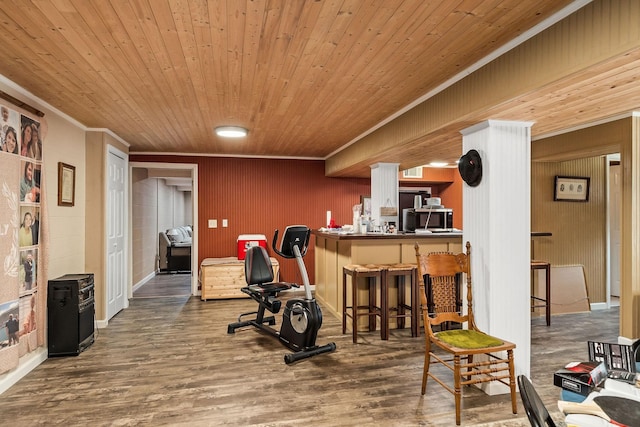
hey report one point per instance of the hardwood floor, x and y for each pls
(165, 285)
(170, 361)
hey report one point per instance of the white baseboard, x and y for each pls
(143, 281)
(27, 364)
(599, 306)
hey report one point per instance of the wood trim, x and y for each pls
(20, 104)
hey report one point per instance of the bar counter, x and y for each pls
(334, 250)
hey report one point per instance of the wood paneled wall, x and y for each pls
(257, 196)
(579, 229)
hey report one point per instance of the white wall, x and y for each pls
(144, 225)
(181, 208)
(174, 208)
(65, 142)
(188, 210)
(165, 206)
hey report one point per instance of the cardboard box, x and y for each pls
(581, 377)
(245, 241)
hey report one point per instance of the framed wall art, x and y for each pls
(571, 189)
(365, 201)
(66, 184)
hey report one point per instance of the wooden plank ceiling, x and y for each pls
(305, 77)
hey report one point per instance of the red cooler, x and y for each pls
(245, 241)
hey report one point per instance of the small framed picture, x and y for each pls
(571, 189)
(66, 184)
(365, 201)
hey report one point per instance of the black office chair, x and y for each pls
(533, 406)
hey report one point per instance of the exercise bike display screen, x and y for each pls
(296, 235)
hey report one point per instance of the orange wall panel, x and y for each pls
(451, 196)
(439, 174)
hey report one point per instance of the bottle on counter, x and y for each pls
(364, 225)
(356, 224)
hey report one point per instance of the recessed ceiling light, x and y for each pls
(438, 164)
(231, 131)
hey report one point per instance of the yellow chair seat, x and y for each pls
(466, 338)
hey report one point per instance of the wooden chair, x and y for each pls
(462, 345)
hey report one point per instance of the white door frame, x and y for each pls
(610, 260)
(125, 229)
(193, 167)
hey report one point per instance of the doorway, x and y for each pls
(146, 261)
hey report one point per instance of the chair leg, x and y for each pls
(372, 303)
(427, 363)
(456, 385)
(384, 307)
(512, 382)
(344, 302)
(548, 294)
(401, 301)
(354, 303)
(415, 304)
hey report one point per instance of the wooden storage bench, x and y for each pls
(223, 277)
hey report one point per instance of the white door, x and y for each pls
(615, 205)
(116, 214)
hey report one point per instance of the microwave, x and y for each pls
(438, 219)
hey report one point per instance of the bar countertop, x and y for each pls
(343, 235)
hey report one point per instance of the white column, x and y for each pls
(384, 190)
(497, 223)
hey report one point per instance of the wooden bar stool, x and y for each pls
(543, 265)
(373, 273)
(401, 272)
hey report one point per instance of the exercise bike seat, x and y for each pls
(258, 272)
(272, 288)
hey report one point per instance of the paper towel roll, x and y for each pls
(417, 202)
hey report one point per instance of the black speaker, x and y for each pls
(71, 312)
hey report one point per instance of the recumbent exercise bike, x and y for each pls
(301, 318)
